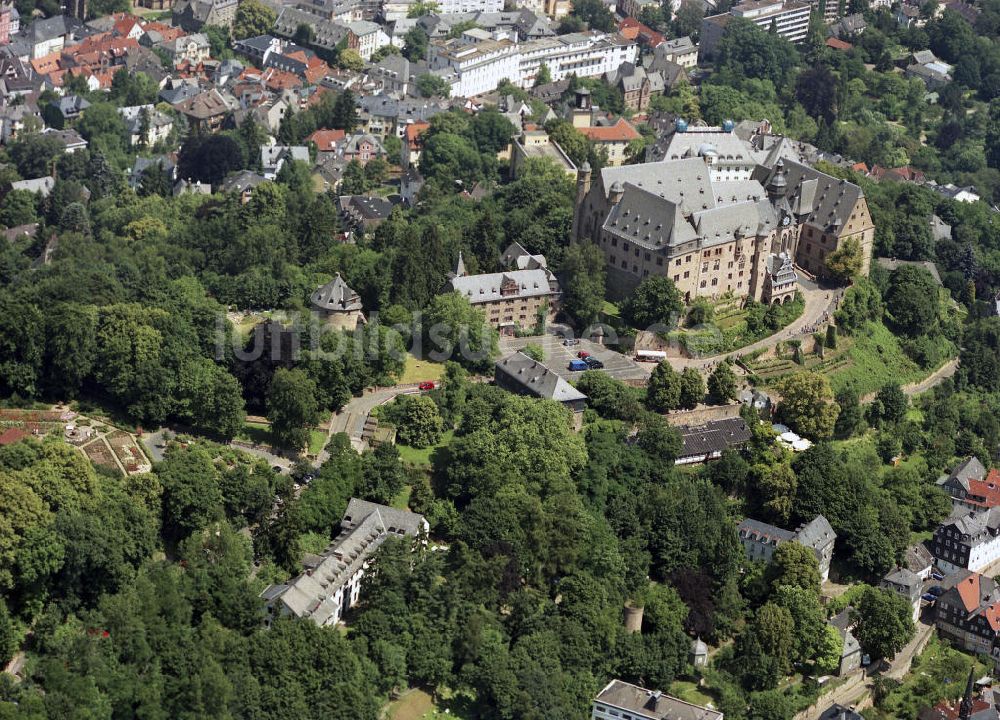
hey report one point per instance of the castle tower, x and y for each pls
(583, 176)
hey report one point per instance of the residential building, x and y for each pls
(918, 560)
(6, 13)
(968, 540)
(273, 157)
(411, 182)
(512, 299)
(50, 35)
(632, 29)
(71, 140)
(363, 148)
(391, 75)
(850, 653)
(242, 182)
(968, 487)
(614, 139)
(934, 75)
(338, 305)
(327, 141)
(638, 85)
(760, 540)
(790, 20)
(40, 186)
(620, 700)
(849, 26)
(327, 34)
(700, 221)
(679, 50)
(193, 48)
(523, 375)
(207, 110)
(141, 166)
(535, 143)
(474, 68)
(370, 37)
(146, 125)
(584, 54)
(907, 585)
(361, 214)
(71, 107)
(702, 443)
(413, 144)
(968, 612)
(331, 583)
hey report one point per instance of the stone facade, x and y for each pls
(710, 218)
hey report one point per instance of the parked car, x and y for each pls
(929, 598)
(583, 354)
(569, 342)
(426, 385)
(936, 591)
(577, 365)
(593, 363)
(936, 575)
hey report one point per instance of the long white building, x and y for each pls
(473, 67)
(585, 54)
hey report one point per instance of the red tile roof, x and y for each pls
(621, 131)
(838, 44)
(985, 493)
(968, 590)
(415, 130)
(326, 140)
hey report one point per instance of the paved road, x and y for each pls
(819, 306)
(558, 356)
(153, 440)
(859, 687)
(352, 417)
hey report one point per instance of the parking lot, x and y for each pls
(557, 356)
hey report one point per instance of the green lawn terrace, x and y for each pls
(863, 362)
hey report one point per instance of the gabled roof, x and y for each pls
(621, 131)
(535, 378)
(715, 436)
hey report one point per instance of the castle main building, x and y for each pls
(719, 215)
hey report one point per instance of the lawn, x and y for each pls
(402, 500)
(689, 692)
(421, 457)
(257, 433)
(419, 705)
(317, 439)
(417, 371)
(876, 358)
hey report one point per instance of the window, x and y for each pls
(677, 261)
(702, 284)
(646, 257)
(704, 267)
(687, 273)
(715, 281)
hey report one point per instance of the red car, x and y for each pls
(583, 354)
(427, 385)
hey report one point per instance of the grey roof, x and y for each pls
(713, 436)
(818, 199)
(906, 580)
(42, 185)
(969, 469)
(516, 257)
(698, 647)
(71, 105)
(696, 142)
(271, 155)
(891, 264)
(781, 269)
(918, 558)
(45, 29)
(652, 703)
(816, 534)
(242, 180)
(336, 296)
(940, 229)
(839, 712)
(486, 288)
(843, 623)
(395, 66)
(922, 57)
(534, 378)
(364, 528)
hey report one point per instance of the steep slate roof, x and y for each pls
(336, 296)
(486, 288)
(818, 199)
(713, 436)
(969, 469)
(816, 533)
(364, 528)
(534, 378)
